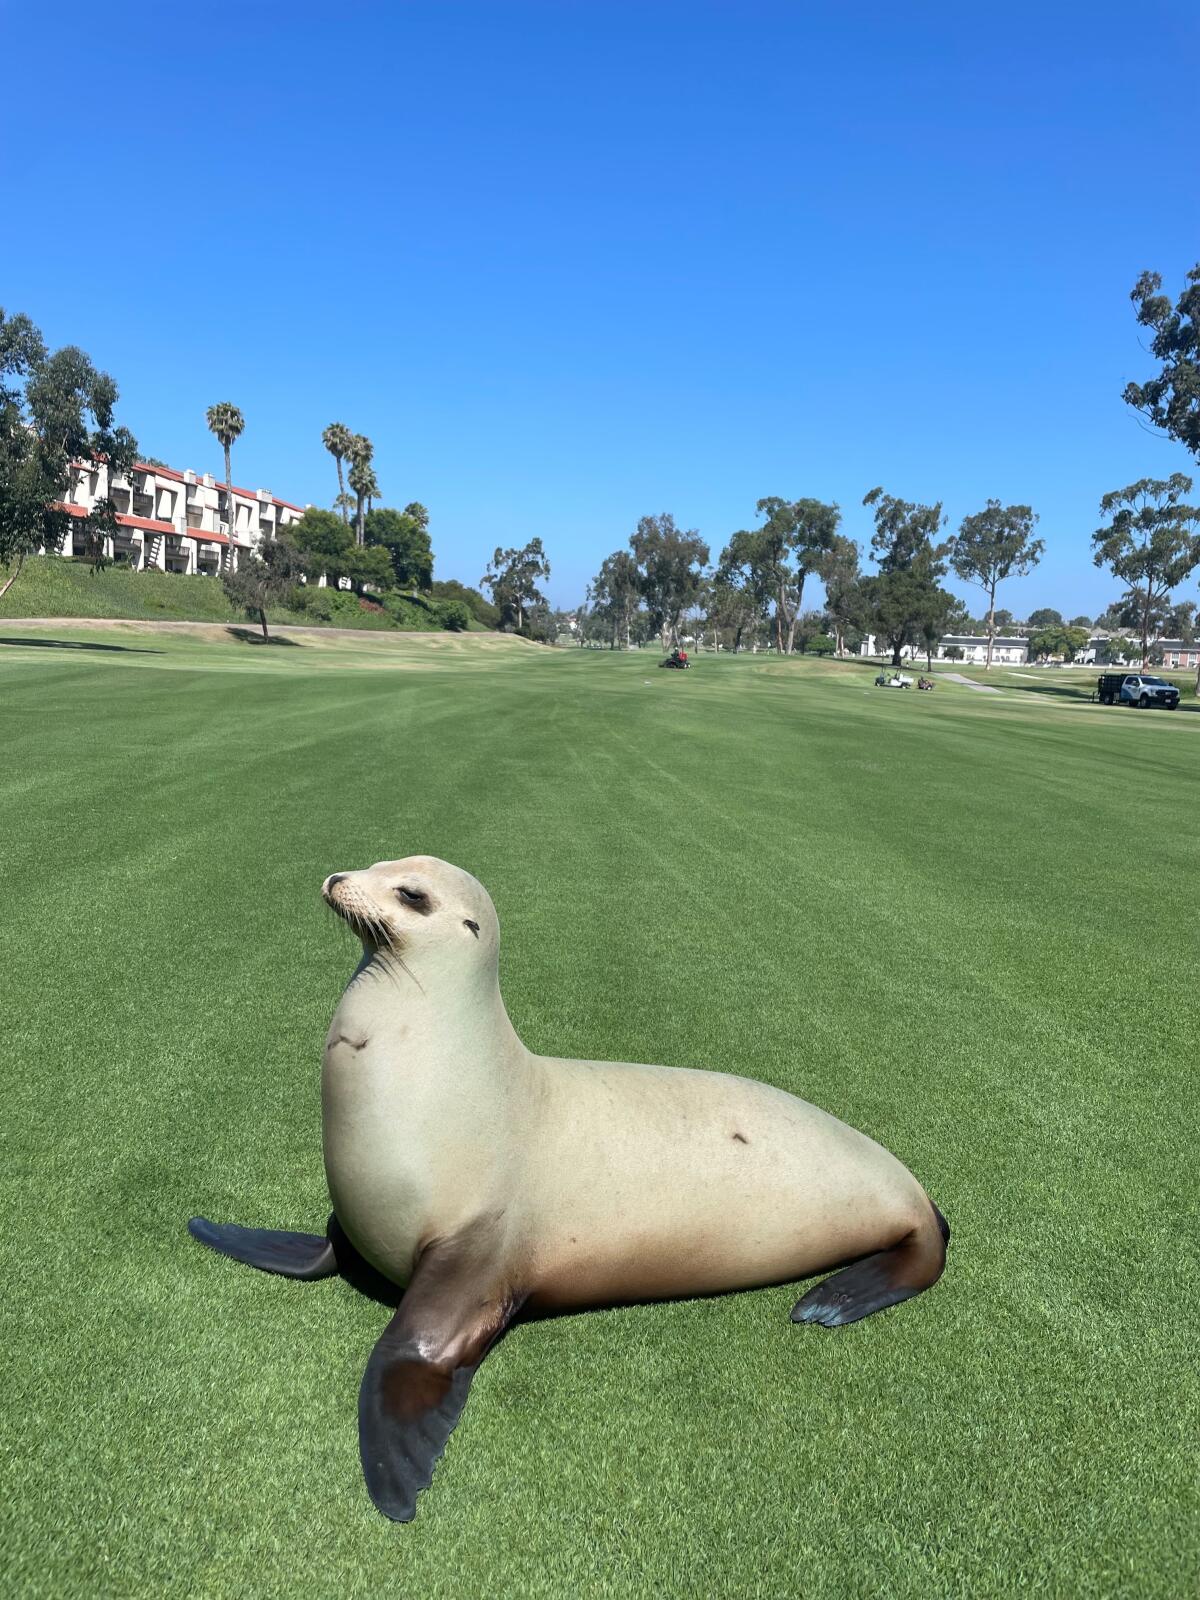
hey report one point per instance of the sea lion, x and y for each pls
(485, 1179)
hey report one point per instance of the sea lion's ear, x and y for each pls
(474, 926)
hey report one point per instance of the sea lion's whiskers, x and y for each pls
(401, 961)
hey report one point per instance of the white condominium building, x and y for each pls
(175, 521)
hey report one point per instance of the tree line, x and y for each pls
(1148, 542)
(756, 586)
(56, 407)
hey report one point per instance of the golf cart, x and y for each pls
(892, 680)
(677, 658)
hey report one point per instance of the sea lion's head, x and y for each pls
(422, 910)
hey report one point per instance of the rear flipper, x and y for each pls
(879, 1281)
(294, 1255)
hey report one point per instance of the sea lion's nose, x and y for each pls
(332, 881)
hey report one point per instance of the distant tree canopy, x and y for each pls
(1057, 639)
(482, 610)
(845, 602)
(1045, 617)
(734, 610)
(541, 623)
(1115, 649)
(55, 408)
(396, 554)
(405, 536)
(809, 627)
(370, 567)
(613, 597)
(324, 543)
(671, 562)
(904, 600)
(1171, 400)
(773, 562)
(994, 544)
(1180, 622)
(1149, 543)
(512, 577)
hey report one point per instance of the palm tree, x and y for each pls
(227, 423)
(362, 479)
(337, 439)
(366, 488)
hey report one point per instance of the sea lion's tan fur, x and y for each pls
(594, 1182)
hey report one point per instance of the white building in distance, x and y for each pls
(1007, 649)
(175, 521)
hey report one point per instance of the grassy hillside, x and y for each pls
(903, 907)
(52, 587)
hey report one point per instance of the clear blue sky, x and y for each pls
(569, 263)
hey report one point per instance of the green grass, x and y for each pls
(49, 586)
(962, 922)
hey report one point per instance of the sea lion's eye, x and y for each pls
(414, 897)
(474, 926)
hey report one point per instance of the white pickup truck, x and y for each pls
(1136, 689)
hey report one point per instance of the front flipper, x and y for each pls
(415, 1386)
(294, 1255)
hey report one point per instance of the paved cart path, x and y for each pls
(957, 677)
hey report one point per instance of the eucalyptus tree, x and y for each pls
(670, 561)
(1150, 544)
(227, 424)
(614, 593)
(796, 536)
(991, 545)
(337, 439)
(745, 566)
(732, 608)
(1171, 400)
(512, 576)
(55, 408)
(904, 596)
(844, 602)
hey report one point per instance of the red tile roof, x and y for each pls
(247, 494)
(150, 525)
(171, 472)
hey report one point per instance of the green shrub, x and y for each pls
(482, 610)
(456, 615)
(316, 604)
(340, 608)
(409, 612)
